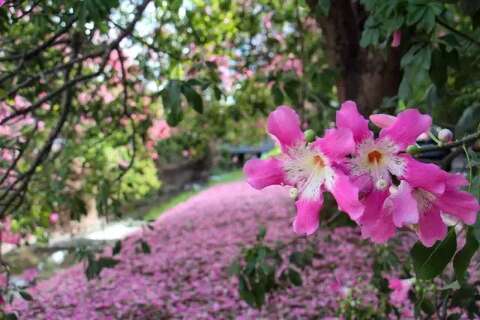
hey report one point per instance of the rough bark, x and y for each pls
(366, 75)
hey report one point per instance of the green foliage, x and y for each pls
(143, 247)
(94, 265)
(462, 259)
(430, 262)
(257, 267)
(156, 211)
(117, 248)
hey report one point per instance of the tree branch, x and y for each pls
(467, 140)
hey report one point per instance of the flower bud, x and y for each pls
(53, 218)
(293, 193)
(445, 135)
(413, 149)
(381, 184)
(423, 137)
(309, 135)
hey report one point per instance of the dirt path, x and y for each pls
(185, 275)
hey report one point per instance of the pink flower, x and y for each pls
(105, 94)
(397, 37)
(376, 160)
(6, 234)
(296, 65)
(429, 194)
(2, 2)
(312, 168)
(53, 218)
(424, 192)
(400, 288)
(382, 120)
(3, 281)
(30, 274)
(160, 130)
(84, 98)
(21, 102)
(337, 287)
(267, 20)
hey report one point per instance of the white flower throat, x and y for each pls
(378, 159)
(308, 170)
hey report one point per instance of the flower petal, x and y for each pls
(348, 117)
(459, 204)
(396, 39)
(382, 120)
(427, 176)
(456, 180)
(408, 125)
(284, 124)
(346, 195)
(431, 227)
(402, 206)
(308, 215)
(263, 173)
(336, 144)
(375, 223)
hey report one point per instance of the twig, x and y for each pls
(460, 33)
(469, 139)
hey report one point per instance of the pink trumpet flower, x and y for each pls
(397, 38)
(311, 168)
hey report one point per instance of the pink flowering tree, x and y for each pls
(96, 95)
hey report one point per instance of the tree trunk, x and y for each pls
(366, 75)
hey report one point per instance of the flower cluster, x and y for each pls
(373, 179)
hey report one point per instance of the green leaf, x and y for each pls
(25, 295)
(92, 270)
(470, 7)
(262, 232)
(245, 293)
(300, 259)
(427, 306)
(117, 247)
(10, 316)
(145, 247)
(95, 267)
(294, 277)
(277, 94)
(291, 89)
(430, 262)
(454, 316)
(463, 257)
(172, 102)
(452, 286)
(323, 7)
(468, 122)
(438, 68)
(106, 262)
(234, 268)
(193, 98)
(415, 14)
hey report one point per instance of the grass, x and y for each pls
(156, 211)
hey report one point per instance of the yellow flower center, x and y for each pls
(318, 161)
(374, 157)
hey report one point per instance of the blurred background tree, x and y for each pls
(98, 98)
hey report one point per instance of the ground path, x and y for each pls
(185, 277)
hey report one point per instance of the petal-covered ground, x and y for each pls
(185, 275)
